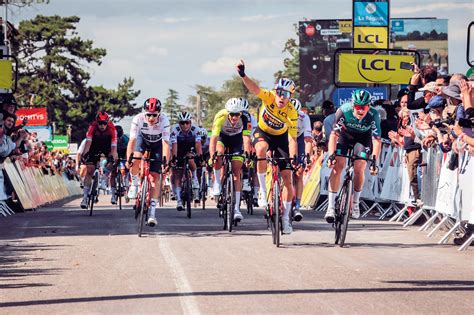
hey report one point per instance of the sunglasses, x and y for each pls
(102, 123)
(151, 115)
(283, 93)
(360, 107)
(184, 122)
(234, 114)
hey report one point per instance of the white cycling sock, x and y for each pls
(217, 175)
(178, 194)
(262, 180)
(286, 211)
(152, 207)
(237, 201)
(86, 191)
(135, 180)
(332, 200)
(195, 176)
(356, 199)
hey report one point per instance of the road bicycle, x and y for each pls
(274, 210)
(121, 181)
(344, 198)
(93, 196)
(142, 203)
(247, 196)
(226, 200)
(186, 182)
(203, 188)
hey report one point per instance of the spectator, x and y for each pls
(391, 121)
(452, 93)
(8, 103)
(329, 112)
(318, 132)
(429, 90)
(6, 143)
(441, 81)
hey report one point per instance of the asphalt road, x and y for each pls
(58, 260)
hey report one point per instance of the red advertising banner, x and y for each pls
(36, 116)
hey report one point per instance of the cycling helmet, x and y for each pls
(102, 116)
(361, 97)
(184, 116)
(152, 105)
(296, 103)
(203, 133)
(286, 85)
(245, 104)
(235, 105)
(119, 130)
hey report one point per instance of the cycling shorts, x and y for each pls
(347, 140)
(232, 144)
(278, 144)
(94, 156)
(156, 152)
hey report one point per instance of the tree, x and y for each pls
(53, 66)
(291, 63)
(170, 105)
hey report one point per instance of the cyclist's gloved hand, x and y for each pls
(295, 162)
(374, 170)
(331, 160)
(241, 68)
(210, 162)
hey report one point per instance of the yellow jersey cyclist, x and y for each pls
(356, 125)
(276, 131)
(231, 131)
(305, 147)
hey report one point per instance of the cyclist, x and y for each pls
(305, 146)
(355, 123)
(231, 131)
(205, 140)
(122, 143)
(276, 131)
(150, 131)
(101, 138)
(185, 141)
(245, 171)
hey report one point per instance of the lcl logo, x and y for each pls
(367, 69)
(369, 39)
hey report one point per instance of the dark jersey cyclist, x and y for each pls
(357, 126)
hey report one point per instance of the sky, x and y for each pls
(176, 44)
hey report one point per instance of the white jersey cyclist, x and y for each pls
(304, 124)
(150, 134)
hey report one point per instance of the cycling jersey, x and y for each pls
(222, 125)
(304, 124)
(150, 134)
(122, 144)
(102, 141)
(346, 122)
(185, 140)
(274, 120)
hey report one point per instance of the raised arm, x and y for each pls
(249, 83)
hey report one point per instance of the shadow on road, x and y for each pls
(431, 288)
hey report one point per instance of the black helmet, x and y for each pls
(119, 130)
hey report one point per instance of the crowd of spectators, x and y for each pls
(18, 144)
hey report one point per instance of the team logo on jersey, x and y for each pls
(271, 121)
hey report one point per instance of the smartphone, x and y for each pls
(406, 66)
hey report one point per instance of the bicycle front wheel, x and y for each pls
(230, 203)
(345, 212)
(187, 195)
(143, 206)
(276, 212)
(118, 190)
(93, 193)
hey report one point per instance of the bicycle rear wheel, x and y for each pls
(143, 206)
(230, 203)
(345, 212)
(93, 193)
(203, 190)
(276, 211)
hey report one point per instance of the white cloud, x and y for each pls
(157, 51)
(438, 7)
(172, 20)
(260, 17)
(226, 65)
(245, 49)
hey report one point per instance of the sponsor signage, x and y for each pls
(371, 37)
(36, 116)
(43, 133)
(345, 26)
(397, 25)
(329, 32)
(342, 96)
(58, 143)
(6, 74)
(382, 69)
(370, 13)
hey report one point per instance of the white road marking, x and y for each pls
(188, 303)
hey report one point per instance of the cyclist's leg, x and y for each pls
(282, 150)
(237, 146)
(299, 173)
(90, 168)
(177, 174)
(155, 170)
(261, 143)
(194, 179)
(362, 148)
(220, 149)
(112, 181)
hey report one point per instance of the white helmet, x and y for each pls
(286, 84)
(184, 116)
(235, 105)
(245, 104)
(296, 103)
(202, 132)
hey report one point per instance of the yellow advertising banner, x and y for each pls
(345, 26)
(382, 69)
(6, 74)
(371, 37)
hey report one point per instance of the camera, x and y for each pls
(439, 123)
(465, 123)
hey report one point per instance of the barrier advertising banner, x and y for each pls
(371, 13)
(371, 37)
(6, 74)
(36, 116)
(364, 68)
(343, 95)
